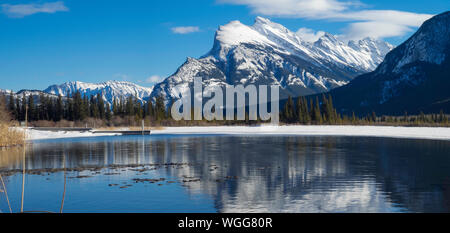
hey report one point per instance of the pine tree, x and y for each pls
(374, 117)
(20, 114)
(4, 113)
(422, 118)
(137, 109)
(288, 111)
(78, 111)
(31, 109)
(108, 112)
(100, 106)
(114, 108)
(325, 110)
(441, 116)
(311, 110)
(85, 107)
(317, 114)
(160, 109)
(333, 113)
(306, 111)
(300, 111)
(353, 118)
(12, 106)
(129, 109)
(150, 110)
(59, 110)
(405, 117)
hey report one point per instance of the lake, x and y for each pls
(220, 173)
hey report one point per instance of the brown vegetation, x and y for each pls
(8, 136)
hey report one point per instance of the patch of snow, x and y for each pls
(32, 134)
(436, 133)
(360, 131)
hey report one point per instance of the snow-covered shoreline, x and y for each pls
(436, 133)
(42, 135)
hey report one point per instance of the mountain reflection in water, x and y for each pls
(260, 173)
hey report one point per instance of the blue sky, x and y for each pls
(50, 42)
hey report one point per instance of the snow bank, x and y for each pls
(39, 135)
(372, 131)
(364, 131)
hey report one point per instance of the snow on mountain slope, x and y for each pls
(412, 78)
(26, 93)
(110, 90)
(267, 53)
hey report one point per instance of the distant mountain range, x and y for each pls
(414, 77)
(110, 90)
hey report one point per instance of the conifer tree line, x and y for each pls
(310, 112)
(79, 107)
(320, 111)
(302, 110)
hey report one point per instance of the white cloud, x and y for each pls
(154, 79)
(309, 35)
(374, 29)
(386, 23)
(185, 30)
(22, 10)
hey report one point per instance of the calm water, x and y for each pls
(230, 174)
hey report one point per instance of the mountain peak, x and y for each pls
(235, 33)
(262, 20)
(429, 44)
(412, 78)
(267, 53)
(329, 37)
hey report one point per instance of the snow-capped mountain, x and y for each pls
(26, 93)
(110, 90)
(267, 53)
(414, 77)
(5, 92)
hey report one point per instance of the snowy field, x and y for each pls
(39, 135)
(372, 131)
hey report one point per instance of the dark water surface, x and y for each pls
(204, 173)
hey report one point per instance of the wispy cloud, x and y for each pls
(185, 30)
(384, 23)
(154, 79)
(22, 10)
(309, 35)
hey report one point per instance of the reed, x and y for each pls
(10, 136)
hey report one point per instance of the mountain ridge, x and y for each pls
(109, 90)
(412, 78)
(267, 53)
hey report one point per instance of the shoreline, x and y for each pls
(434, 133)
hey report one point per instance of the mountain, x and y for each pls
(20, 94)
(267, 53)
(414, 77)
(110, 90)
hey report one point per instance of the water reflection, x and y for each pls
(273, 174)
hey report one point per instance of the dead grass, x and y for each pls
(10, 136)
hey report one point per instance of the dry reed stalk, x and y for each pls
(6, 193)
